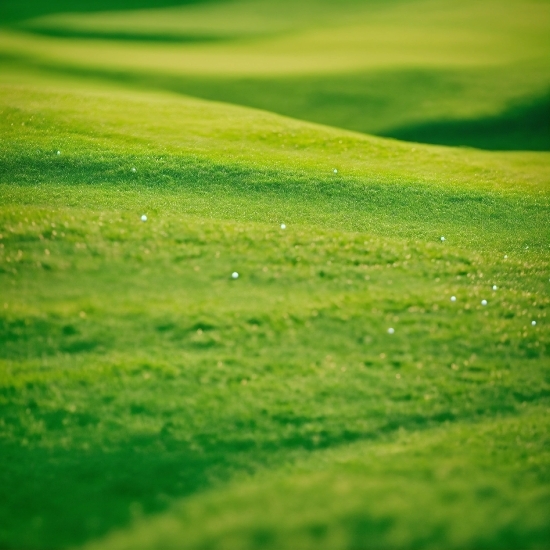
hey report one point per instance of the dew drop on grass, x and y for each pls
(483, 302)
(235, 275)
(144, 218)
(391, 330)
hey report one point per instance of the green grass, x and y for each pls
(148, 400)
(451, 73)
(380, 493)
(14, 12)
(136, 371)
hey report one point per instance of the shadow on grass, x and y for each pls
(409, 205)
(53, 498)
(123, 36)
(523, 127)
(368, 103)
(18, 10)
(474, 217)
(59, 497)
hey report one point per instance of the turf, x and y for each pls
(377, 493)
(452, 73)
(150, 400)
(135, 370)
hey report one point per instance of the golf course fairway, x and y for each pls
(234, 322)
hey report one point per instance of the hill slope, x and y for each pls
(454, 72)
(277, 408)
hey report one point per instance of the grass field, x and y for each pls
(454, 72)
(377, 375)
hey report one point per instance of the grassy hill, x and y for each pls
(376, 375)
(450, 72)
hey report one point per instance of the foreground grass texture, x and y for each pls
(378, 496)
(275, 410)
(475, 72)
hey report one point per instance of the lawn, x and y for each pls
(453, 72)
(377, 374)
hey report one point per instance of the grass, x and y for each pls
(377, 493)
(149, 400)
(470, 69)
(136, 369)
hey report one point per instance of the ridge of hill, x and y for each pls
(456, 72)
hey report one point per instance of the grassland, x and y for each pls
(149, 400)
(454, 72)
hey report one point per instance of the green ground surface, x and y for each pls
(148, 400)
(451, 72)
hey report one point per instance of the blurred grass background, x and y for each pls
(449, 72)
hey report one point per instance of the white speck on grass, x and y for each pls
(453, 298)
(442, 239)
(505, 256)
(144, 218)
(483, 302)
(235, 275)
(58, 152)
(495, 287)
(533, 323)
(391, 330)
(335, 171)
(133, 169)
(283, 226)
